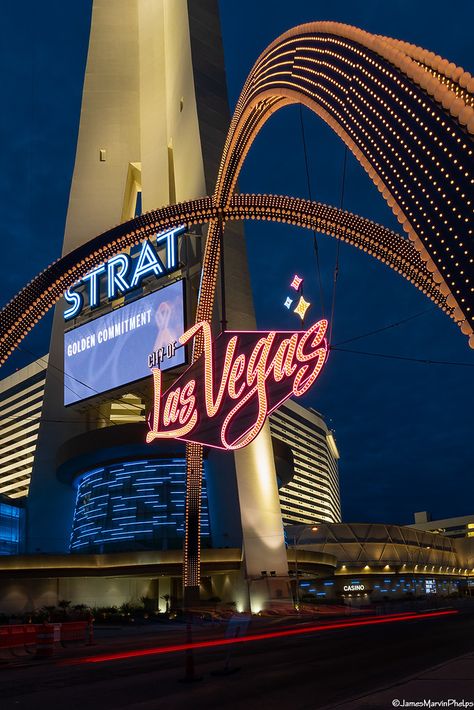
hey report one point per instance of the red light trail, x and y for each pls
(215, 643)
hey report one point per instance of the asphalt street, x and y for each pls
(305, 671)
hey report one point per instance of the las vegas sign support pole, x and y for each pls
(192, 548)
(192, 523)
(194, 471)
(192, 534)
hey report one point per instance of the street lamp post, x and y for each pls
(296, 540)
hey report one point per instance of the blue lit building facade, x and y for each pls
(12, 523)
(133, 505)
(369, 589)
(128, 496)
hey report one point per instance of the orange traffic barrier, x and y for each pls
(45, 641)
(17, 636)
(22, 636)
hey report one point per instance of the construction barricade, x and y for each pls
(41, 639)
(17, 638)
(45, 634)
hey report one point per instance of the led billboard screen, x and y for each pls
(115, 349)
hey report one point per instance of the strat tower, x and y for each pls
(153, 122)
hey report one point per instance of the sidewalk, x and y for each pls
(450, 681)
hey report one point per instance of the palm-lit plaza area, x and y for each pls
(236, 337)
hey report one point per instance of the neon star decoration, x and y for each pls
(288, 303)
(302, 307)
(225, 396)
(296, 283)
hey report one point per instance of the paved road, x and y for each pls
(308, 671)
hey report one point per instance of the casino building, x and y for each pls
(92, 513)
(101, 504)
(125, 533)
(375, 563)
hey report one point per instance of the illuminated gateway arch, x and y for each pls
(406, 114)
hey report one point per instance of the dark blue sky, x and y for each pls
(403, 428)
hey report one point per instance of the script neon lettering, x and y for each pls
(172, 434)
(170, 413)
(188, 401)
(243, 378)
(235, 374)
(254, 371)
(283, 363)
(302, 384)
(212, 404)
(318, 330)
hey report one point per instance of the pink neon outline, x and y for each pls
(299, 281)
(267, 372)
(324, 346)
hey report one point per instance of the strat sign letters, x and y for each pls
(124, 274)
(223, 399)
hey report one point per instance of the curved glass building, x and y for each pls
(133, 505)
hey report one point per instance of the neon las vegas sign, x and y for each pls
(223, 399)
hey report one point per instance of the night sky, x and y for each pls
(404, 428)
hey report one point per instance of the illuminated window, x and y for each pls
(11, 520)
